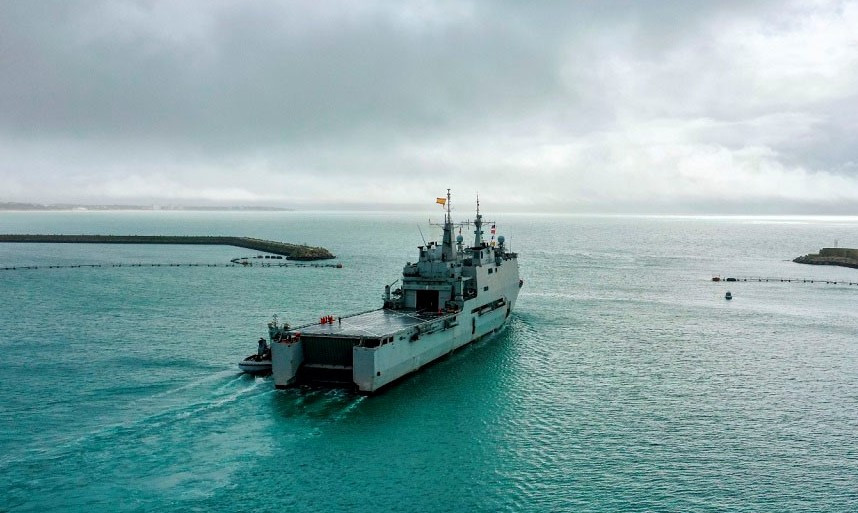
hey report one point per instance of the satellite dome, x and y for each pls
(459, 239)
(500, 239)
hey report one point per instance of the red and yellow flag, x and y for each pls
(441, 201)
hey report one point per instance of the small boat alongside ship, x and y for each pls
(260, 362)
(256, 365)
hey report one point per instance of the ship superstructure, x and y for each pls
(453, 295)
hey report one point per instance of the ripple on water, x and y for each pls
(623, 381)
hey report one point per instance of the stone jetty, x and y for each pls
(843, 257)
(290, 251)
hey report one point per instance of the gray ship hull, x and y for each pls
(452, 296)
(370, 350)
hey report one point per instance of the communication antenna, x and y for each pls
(449, 218)
(421, 235)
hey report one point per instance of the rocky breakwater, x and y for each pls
(290, 251)
(844, 257)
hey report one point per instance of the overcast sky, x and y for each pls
(641, 106)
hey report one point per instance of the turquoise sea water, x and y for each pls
(623, 381)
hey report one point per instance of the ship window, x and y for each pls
(485, 288)
(490, 270)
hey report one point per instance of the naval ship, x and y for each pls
(453, 295)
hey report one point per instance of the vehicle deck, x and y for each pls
(376, 323)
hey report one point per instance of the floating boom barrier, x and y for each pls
(248, 264)
(784, 280)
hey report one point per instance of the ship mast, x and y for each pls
(447, 253)
(478, 224)
(450, 219)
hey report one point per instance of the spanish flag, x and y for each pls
(441, 201)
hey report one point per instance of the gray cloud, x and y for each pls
(608, 106)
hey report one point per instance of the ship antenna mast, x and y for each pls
(449, 217)
(478, 225)
(447, 253)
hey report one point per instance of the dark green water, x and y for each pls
(623, 381)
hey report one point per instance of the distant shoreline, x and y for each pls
(69, 207)
(422, 209)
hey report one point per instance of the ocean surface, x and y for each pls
(623, 381)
